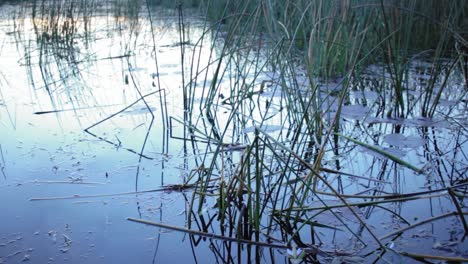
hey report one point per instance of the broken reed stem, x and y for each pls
(423, 256)
(459, 210)
(142, 98)
(207, 235)
(336, 172)
(171, 187)
(420, 223)
(67, 182)
(399, 196)
(309, 249)
(175, 187)
(382, 152)
(363, 204)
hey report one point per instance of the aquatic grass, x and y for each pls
(462, 52)
(302, 113)
(432, 97)
(314, 174)
(241, 94)
(254, 187)
(386, 154)
(162, 98)
(245, 188)
(399, 49)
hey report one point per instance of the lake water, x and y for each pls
(72, 122)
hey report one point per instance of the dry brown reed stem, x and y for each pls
(363, 204)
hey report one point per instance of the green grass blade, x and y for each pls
(386, 154)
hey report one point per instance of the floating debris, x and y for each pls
(67, 240)
(26, 258)
(402, 141)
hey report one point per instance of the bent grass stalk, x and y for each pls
(426, 221)
(311, 248)
(386, 154)
(423, 257)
